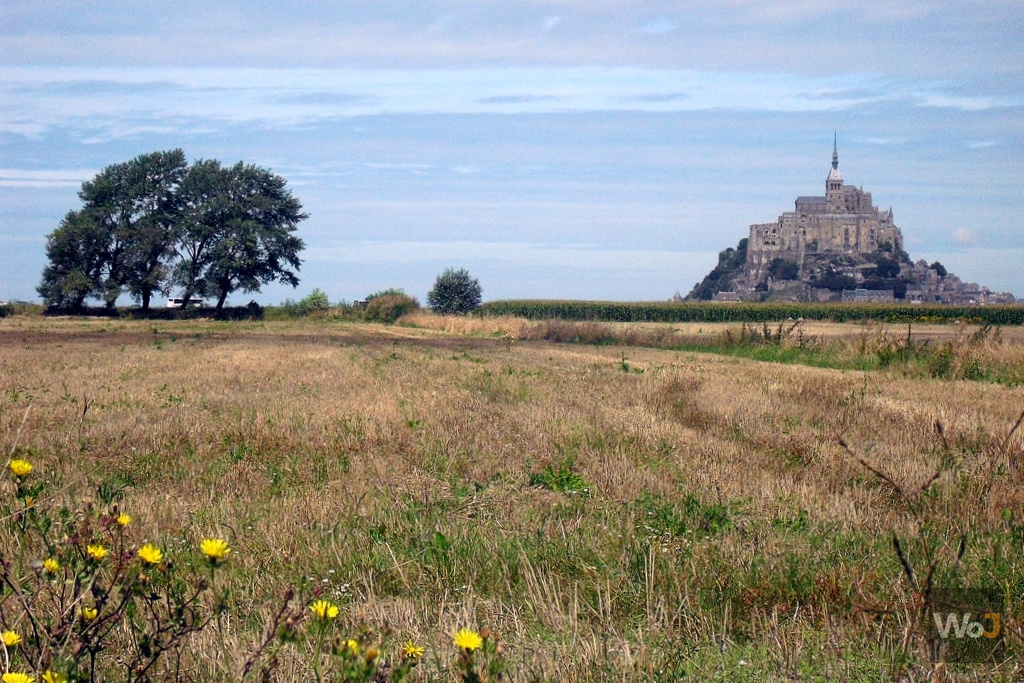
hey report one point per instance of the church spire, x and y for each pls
(835, 149)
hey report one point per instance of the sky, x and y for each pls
(603, 149)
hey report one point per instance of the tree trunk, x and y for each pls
(220, 301)
(146, 294)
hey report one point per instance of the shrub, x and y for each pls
(454, 292)
(315, 301)
(781, 269)
(388, 308)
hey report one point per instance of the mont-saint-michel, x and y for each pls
(835, 247)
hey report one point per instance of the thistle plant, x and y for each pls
(81, 598)
(481, 656)
(359, 659)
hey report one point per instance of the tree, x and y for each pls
(237, 231)
(782, 269)
(124, 234)
(151, 183)
(136, 203)
(77, 252)
(454, 292)
(939, 269)
(887, 268)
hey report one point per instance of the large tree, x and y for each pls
(77, 253)
(126, 230)
(136, 202)
(238, 231)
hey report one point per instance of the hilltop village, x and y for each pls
(836, 247)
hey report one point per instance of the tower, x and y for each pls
(834, 182)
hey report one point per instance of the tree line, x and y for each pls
(155, 223)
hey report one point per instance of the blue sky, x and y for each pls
(555, 148)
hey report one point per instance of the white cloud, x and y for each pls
(17, 177)
(964, 236)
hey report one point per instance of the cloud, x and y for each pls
(964, 236)
(516, 99)
(17, 177)
(522, 253)
(659, 25)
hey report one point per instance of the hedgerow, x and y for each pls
(670, 312)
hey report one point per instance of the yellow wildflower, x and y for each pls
(96, 552)
(324, 609)
(150, 554)
(19, 467)
(215, 549)
(466, 639)
(412, 651)
(51, 565)
(54, 677)
(124, 519)
(17, 678)
(89, 614)
(10, 638)
(353, 646)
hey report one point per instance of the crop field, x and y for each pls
(645, 507)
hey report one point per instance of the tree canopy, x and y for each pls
(454, 292)
(155, 222)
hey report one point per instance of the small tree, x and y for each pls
(454, 292)
(314, 302)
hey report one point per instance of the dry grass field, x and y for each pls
(608, 512)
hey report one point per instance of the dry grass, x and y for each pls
(432, 477)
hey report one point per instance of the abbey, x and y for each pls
(836, 247)
(843, 221)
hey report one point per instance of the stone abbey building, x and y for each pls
(844, 221)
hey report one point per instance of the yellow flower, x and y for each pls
(96, 552)
(324, 609)
(124, 519)
(54, 677)
(51, 565)
(412, 651)
(215, 549)
(150, 554)
(353, 646)
(468, 640)
(89, 614)
(10, 638)
(20, 467)
(18, 678)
